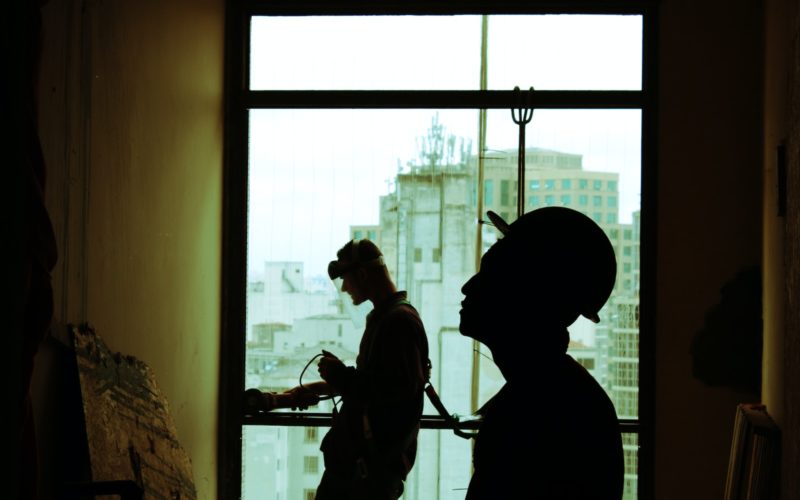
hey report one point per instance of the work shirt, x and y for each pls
(552, 435)
(387, 386)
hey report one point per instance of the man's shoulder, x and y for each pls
(401, 320)
(401, 306)
(403, 314)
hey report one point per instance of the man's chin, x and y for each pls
(467, 332)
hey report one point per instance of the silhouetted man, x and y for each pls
(372, 443)
(551, 432)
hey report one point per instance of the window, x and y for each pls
(311, 435)
(309, 494)
(505, 192)
(597, 201)
(566, 200)
(391, 140)
(310, 465)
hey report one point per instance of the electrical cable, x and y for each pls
(300, 381)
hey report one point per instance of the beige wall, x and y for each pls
(709, 216)
(132, 121)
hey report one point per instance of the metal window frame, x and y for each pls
(239, 100)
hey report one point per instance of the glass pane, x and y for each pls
(565, 52)
(402, 178)
(365, 52)
(280, 463)
(552, 52)
(442, 469)
(630, 447)
(285, 463)
(407, 179)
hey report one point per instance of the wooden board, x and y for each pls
(130, 432)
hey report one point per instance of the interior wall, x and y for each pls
(132, 121)
(709, 222)
(775, 130)
(788, 18)
(781, 380)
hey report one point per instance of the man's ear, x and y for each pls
(361, 275)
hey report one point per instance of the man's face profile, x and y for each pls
(483, 297)
(352, 286)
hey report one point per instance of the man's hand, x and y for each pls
(302, 398)
(330, 368)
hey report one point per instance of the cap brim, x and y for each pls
(498, 222)
(336, 269)
(593, 317)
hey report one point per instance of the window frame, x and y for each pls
(239, 100)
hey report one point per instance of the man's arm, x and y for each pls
(398, 367)
(309, 394)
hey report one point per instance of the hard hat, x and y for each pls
(566, 249)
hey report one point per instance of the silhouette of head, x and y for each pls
(551, 266)
(359, 263)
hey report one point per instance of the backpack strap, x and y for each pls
(450, 418)
(434, 398)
